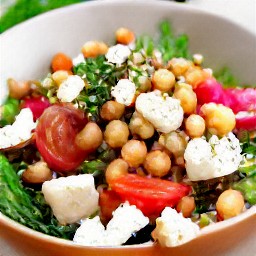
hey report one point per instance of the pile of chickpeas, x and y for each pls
(166, 155)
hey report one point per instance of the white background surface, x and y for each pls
(240, 11)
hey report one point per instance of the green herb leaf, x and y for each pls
(226, 78)
(248, 187)
(171, 46)
(27, 206)
(8, 111)
(100, 76)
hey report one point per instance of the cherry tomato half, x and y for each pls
(150, 195)
(55, 136)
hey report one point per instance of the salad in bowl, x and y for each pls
(134, 142)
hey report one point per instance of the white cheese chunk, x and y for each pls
(78, 59)
(164, 112)
(216, 158)
(71, 198)
(118, 54)
(124, 92)
(172, 229)
(70, 88)
(19, 131)
(126, 220)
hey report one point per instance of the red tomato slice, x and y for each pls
(55, 136)
(150, 195)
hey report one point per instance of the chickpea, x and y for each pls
(157, 163)
(137, 58)
(37, 173)
(195, 76)
(178, 66)
(140, 126)
(124, 36)
(112, 110)
(195, 126)
(90, 138)
(18, 90)
(92, 49)
(219, 120)
(144, 84)
(186, 206)
(229, 204)
(134, 152)
(163, 80)
(116, 169)
(60, 76)
(116, 133)
(175, 142)
(187, 97)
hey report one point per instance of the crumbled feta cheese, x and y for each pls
(124, 92)
(70, 88)
(91, 232)
(118, 54)
(216, 158)
(126, 220)
(172, 229)
(78, 59)
(71, 198)
(164, 112)
(19, 131)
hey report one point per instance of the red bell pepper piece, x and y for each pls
(150, 195)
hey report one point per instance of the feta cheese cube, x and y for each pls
(118, 54)
(124, 92)
(70, 88)
(172, 229)
(71, 198)
(212, 159)
(19, 131)
(164, 112)
(126, 220)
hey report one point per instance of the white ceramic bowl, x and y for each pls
(26, 51)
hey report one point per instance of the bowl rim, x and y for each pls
(94, 3)
(17, 227)
(4, 220)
